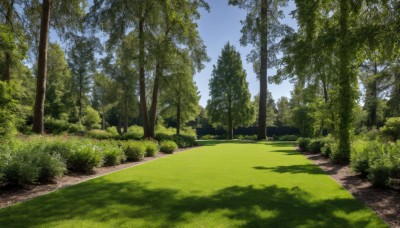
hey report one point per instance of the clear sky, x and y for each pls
(218, 27)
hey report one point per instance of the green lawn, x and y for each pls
(218, 185)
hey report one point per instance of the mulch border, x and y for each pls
(384, 202)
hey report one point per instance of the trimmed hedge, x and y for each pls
(151, 148)
(168, 147)
(303, 143)
(134, 150)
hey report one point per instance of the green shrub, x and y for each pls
(76, 129)
(159, 129)
(100, 134)
(111, 152)
(164, 137)
(303, 143)
(84, 158)
(134, 132)
(151, 148)
(359, 157)
(168, 146)
(134, 150)
(338, 156)
(184, 141)
(326, 150)
(391, 129)
(208, 137)
(315, 145)
(384, 164)
(59, 126)
(91, 119)
(288, 138)
(246, 137)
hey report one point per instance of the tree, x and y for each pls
(66, 13)
(82, 63)
(230, 103)
(271, 109)
(179, 93)
(284, 113)
(261, 29)
(102, 96)
(58, 92)
(158, 27)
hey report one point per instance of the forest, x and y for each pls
(96, 83)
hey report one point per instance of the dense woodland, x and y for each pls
(118, 64)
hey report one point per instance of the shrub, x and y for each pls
(184, 141)
(151, 148)
(384, 164)
(76, 129)
(168, 146)
(84, 159)
(391, 129)
(134, 150)
(326, 150)
(338, 156)
(163, 130)
(246, 137)
(111, 152)
(134, 132)
(60, 126)
(208, 137)
(288, 138)
(91, 120)
(303, 143)
(100, 134)
(315, 145)
(164, 137)
(359, 157)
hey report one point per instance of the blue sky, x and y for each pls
(218, 27)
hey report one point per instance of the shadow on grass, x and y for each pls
(294, 169)
(123, 203)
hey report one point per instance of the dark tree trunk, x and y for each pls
(142, 83)
(8, 58)
(262, 114)
(153, 110)
(38, 115)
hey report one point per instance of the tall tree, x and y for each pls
(261, 29)
(65, 13)
(230, 103)
(284, 112)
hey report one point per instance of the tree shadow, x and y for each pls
(124, 203)
(294, 169)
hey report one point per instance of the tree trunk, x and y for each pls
(262, 114)
(178, 117)
(38, 115)
(8, 58)
(142, 83)
(153, 110)
(345, 83)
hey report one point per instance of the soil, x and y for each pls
(10, 195)
(384, 202)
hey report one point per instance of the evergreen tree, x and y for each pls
(230, 103)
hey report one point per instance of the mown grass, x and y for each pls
(222, 184)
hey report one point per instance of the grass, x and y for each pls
(222, 184)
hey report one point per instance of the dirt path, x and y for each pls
(384, 202)
(12, 195)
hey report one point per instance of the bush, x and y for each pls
(91, 120)
(184, 141)
(84, 159)
(112, 153)
(76, 129)
(134, 150)
(359, 157)
(326, 150)
(384, 164)
(338, 156)
(134, 132)
(59, 126)
(168, 146)
(29, 163)
(151, 148)
(391, 129)
(100, 134)
(164, 137)
(208, 137)
(288, 138)
(246, 137)
(303, 143)
(315, 145)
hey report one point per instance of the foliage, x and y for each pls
(288, 138)
(91, 119)
(134, 150)
(315, 145)
(240, 137)
(84, 158)
(151, 148)
(230, 97)
(100, 134)
(168, 146)
(391, 129)
(303, 143)
(8, 109)
(111, 152)
(58, 126)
